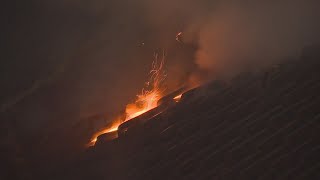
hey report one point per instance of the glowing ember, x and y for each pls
(178, 36)
(177, 98)
(146, 101)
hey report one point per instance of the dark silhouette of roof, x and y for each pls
(258, 126)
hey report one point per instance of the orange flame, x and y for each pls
(113, 127)
(146, 101)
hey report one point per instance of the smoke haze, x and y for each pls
(68, 60)
(242, 36)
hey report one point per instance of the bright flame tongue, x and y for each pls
(143, 104)
(146, 101)
(95, 136)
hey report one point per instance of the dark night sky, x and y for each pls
(66, 60)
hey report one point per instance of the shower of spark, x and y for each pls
(146, 100)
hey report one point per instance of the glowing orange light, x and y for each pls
(113, 128)
(146, 100)
(150, 95)
(177, 98)
(178, 36)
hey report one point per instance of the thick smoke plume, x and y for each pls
(248, 36)
(234, 36)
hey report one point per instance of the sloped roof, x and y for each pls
(259, 126)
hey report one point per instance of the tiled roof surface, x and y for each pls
(258, 126)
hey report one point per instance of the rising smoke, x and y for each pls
(249, 36)
(110, 46)
(234, 36)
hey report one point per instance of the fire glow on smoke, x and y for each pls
(145, 101)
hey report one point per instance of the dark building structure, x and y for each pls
(255, 127)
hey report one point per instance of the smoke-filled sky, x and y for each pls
(66, 60)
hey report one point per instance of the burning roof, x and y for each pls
(151, 100)
(237, 130)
